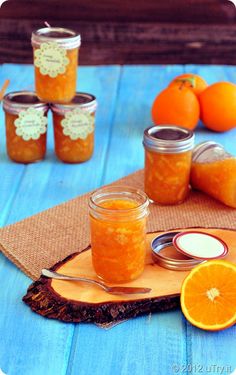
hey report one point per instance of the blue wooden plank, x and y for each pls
(212, 352)
(31, 344)
(137, 346)
(11, 172)
(147, 345)
(144, 345)
(138, 87)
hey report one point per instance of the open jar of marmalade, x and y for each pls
(214, 172)
(55, 61)
(118, 233)
(168, 153)
(74, 128)
(26, 126)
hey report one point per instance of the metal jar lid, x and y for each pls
(81, 100)
(17, 101)
(181, 251)
(208, 151)
(66, 38)
(169, 139)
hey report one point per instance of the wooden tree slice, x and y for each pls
(82, 302)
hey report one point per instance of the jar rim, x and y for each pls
(72, 40)
(177, 139)
(13, 106)
(90, 104)
(116, 192)
(200, 148)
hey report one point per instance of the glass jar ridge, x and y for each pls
(168, 139)
(66, 38)
(119, 192)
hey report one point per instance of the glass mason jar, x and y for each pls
(55, 61)
(74, 128)
(214, 172)
(26, 126)
(168, 152)
(118, 233)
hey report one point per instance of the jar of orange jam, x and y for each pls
(168, 152)
(26, 126)
(118, 233)
(214, 172)
(74, 128)
(55, 62)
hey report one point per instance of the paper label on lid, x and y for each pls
(77, 124)
(51, 59)
(201, 245)
(30, 124)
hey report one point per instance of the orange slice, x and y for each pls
(208, 295)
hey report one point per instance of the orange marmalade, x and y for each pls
(214, 172)
(55, 61)
(167, 176)
(26, 126)
(118, 233)
(74, 128)
(168, 152)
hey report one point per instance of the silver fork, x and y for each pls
(109, 289)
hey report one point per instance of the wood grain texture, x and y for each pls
(114, 32)
(192, 11)
(152, 344)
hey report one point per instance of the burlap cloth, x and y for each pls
(43, 239)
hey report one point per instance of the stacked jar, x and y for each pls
(56, 52)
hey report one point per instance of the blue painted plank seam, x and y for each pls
(75, 331)
(112, 125)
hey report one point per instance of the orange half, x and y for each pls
(208, 295)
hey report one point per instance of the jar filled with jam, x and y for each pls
(214, 172)
(168, 153)
(74, 128)
(55, 61)
(26, 126)
(118, 233)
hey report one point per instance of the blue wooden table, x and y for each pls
(162, 343)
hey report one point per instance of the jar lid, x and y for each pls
(200, 245)
(176, 250)
(203, 151)
(16, 101)
(66, 38)
(168, 139)
(81, 100)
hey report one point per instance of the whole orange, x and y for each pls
(194, 82)
(176, 106)
(218, 106)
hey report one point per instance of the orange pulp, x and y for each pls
(217, 178)
(118, 245)
(167, 176)
(18, 149)
(62, 88)
(68, 150)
